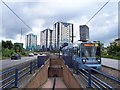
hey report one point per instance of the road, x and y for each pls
(8, 62)
(111, 63)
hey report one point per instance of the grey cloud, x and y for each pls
(105, 35)
(11, 25)
(35, 10)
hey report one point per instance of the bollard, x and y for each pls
(30, 67)
(16, 77)
(89, 77)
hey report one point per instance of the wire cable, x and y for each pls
(17, 15)
(97, 12)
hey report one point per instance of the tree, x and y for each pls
(7, 44)
(7, 52)
(3, 44)
(113, 50)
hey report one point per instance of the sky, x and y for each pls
(42, 14)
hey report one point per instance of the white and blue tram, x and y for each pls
(84, 54)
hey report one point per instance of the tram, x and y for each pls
(84, 54)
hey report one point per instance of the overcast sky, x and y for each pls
(42, 14)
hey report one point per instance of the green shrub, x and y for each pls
(54, 51)
(7, 52)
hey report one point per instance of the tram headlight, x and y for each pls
(84, 60)
(98, 60)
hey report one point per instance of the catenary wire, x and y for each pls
(97, 12)
(17, 15)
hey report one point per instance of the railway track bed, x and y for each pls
(98, 80)
(111, 71)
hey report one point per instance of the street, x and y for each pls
(8, 62)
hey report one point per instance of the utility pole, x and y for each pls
(21, 36)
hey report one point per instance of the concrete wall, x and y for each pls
(55, 62)
(55, 72)
(69, 79)
(40, 77)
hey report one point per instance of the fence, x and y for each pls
(69, 79)
(40, 77)
(11, 77)
(95, 82)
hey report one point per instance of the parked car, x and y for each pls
(31, 54)
(15, 56)
(42, 54)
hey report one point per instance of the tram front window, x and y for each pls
(89, 50)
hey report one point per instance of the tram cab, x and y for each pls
(84, 54)
(88, 54)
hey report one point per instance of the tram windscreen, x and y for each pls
(90, 50)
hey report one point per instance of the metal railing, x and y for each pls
(95, 82)
(10, 77)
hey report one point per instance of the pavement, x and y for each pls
(112, 63)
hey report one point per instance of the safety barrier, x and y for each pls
(40, 77)
(69, 78)
(95, 82)
(11, 77)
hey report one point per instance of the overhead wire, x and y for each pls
(31, 28)
(97, 12)
(17, 15)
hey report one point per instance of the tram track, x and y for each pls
(111, 71)
(108, 81)
(105, 79)
(105, 75)
(99, 81)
